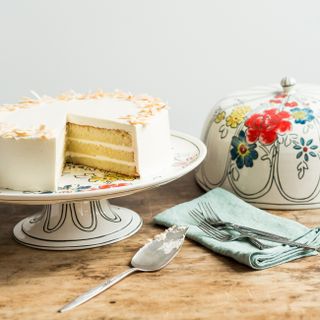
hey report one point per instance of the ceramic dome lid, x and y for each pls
(264, 145)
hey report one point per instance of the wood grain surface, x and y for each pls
(197, 284)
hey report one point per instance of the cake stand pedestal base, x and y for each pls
(77, 225)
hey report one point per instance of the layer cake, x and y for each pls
(111, 131)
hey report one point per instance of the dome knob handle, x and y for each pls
(288, 84)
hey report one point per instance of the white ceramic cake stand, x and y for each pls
(79, 215)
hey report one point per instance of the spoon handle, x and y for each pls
(96, 290)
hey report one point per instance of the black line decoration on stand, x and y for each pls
(116, 218)
(76, 221)
(48, 211)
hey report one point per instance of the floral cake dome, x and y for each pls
(264, 146)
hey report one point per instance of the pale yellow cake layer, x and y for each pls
(114, 136)
(99, 150)
(104, 165)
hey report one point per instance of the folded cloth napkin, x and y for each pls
(232, 209)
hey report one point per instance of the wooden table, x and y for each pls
(196, 285)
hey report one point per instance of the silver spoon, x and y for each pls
(153, 256)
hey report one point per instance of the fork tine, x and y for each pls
(212, 232)
(204, 225)
(207, 210)
(195, 216)
(198, 214)
(199, 211)
(208, 233)
(203, 210)
(212, 212)
(214, 229)
(217, 234)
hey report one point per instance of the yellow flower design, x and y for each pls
(219, 117)
(237, 115)
(299, 115)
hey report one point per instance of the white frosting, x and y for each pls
(54, 114)
(104, 144)
(104, 158)
(32, 137)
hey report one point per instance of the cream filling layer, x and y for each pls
(104, 144)
(103, 158)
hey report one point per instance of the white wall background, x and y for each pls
(189, 53)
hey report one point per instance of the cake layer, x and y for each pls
(104, 144)
(97, 148)
(108, 165)
(113, 136)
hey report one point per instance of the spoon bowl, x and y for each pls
(156, 254)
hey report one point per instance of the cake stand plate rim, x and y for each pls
(52, 198)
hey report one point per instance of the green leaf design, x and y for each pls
(309, 142)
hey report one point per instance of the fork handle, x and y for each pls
(259, 232)
(241, 228)
(287, 242)
(96, 290)
(258, 244)
(273, 238)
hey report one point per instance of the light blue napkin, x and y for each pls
(232, 209)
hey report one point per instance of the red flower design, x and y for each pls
(277, 101)
(265, 126)
(113, 185)
(291, 104)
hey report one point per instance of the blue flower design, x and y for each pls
(305, 149)
(302, 115)
(243, 152)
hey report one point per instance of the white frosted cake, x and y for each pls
(116, 132)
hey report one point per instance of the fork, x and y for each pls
(213, 219)
(220, 235)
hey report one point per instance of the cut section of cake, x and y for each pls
(116, 132)
(107, 149)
